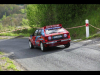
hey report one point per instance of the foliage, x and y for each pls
(22, 11)
(69, 15)
(24, 32)
(13, 20)
(4, 17)
(46, 14)
(9, 9)
(32, 15)
(11, 16)
(1, 26)
(39, 15)
(92, 36)
(12, 66)
(25, 22)
(1, 53)
(8, 64)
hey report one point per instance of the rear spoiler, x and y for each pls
(52, 26)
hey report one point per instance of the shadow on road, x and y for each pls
(68, 50)
(30, 53)
(20, 48)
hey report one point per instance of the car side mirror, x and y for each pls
(32, 34)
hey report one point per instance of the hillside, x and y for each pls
(11, 15)
(33, 15)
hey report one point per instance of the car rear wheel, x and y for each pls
(30, 45)
(67, 45)
(43, 48)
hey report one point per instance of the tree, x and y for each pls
(49, 14)
(31, 14)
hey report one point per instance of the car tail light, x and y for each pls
(68, 35)
(46, 39)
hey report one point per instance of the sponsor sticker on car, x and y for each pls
(57, 36)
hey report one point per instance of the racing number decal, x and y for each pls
(39, 37)
(36, 40)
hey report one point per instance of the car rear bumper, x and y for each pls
(57, 42)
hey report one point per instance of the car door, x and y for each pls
(38, 37)
(34, 37)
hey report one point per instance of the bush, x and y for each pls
(23, 11)
(9, 9)
(25, 22)
(1, 27)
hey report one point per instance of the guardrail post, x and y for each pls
(87, 28)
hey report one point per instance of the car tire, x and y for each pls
(30, 45)
(43, 48)
(67, 45)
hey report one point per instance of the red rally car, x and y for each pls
(49, 36)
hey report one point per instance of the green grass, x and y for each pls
(92, 36)
(79, 33)
(24, 32)
(8, 64)
(11, 64)
(14, 34)
(1, 53)
(0, 68)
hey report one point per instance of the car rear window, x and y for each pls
(50, 31)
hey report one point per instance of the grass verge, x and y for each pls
(92, 36)
(7, 64)
(1, 53)
(24, 32)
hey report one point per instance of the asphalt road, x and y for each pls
(81, 56)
